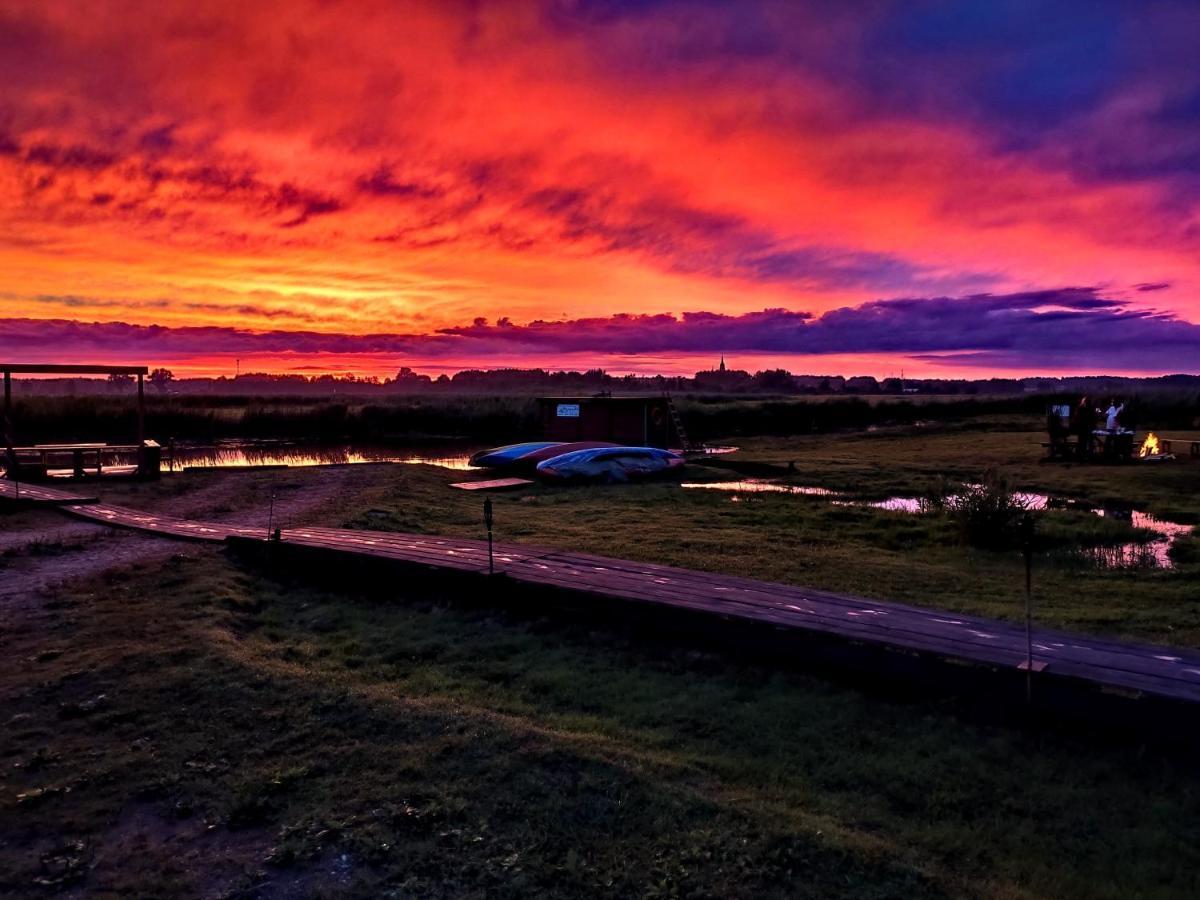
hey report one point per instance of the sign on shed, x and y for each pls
(637, 421)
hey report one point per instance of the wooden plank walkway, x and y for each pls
(39, 494)
(495, 484)
(1109, 664)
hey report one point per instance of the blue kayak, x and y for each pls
(609, 464)
(498, 457)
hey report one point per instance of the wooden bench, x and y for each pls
(1168, 446)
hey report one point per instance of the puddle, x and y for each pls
(752, 486)
(919, 504)
(1153, 553)
(1148, 555)
(895, 504)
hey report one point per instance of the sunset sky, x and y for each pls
(830, 187)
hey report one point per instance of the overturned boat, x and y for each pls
(499, 457)
(609, 464)
(527, 456)
(531, 460)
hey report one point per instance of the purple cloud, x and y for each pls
(383, 183)
(1075, 327)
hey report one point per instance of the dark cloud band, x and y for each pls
(1027, 330)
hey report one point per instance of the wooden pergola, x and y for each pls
(10, 369)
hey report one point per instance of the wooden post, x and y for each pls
(487, 521)
(141, 429)
(10, 456)
(8, 425)
(1027, 530)
(1028, 627)
(141, 418)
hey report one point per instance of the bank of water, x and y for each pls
(258, 454)
(1151, 553)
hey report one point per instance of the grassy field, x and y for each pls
(854, 549)
(909, 461)
(200, 727)
(857, 549)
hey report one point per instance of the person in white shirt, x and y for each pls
(1112, 414)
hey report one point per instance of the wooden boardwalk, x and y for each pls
(38, 494)
(1110, 665)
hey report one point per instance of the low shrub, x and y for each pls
(990, 515)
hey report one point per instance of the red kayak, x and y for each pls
(533, 457)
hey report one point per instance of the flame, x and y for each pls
(1149, 446)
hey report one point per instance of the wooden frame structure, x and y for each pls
(10, 369)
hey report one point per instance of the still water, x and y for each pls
(1152, 553)
(241, 454)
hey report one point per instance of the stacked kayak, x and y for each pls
(500, 457)
(609, 464)
(527, 456)
(534, 458)
(580, 460)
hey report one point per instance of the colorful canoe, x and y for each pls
(609, 464)
(533, 458)
(498, 457)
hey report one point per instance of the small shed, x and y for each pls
(641, 421)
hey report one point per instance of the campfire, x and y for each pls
(1151, 450)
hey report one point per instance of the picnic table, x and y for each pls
(1113, 446)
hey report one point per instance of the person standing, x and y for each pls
(1085, 422)
(1112, 416)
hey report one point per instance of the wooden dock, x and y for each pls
(1131, 669)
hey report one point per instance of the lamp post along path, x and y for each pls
(1027, 529)
(487, 521)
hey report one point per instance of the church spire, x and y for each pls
(722, 369)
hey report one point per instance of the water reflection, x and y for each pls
(1145, 520)
(242, 455)
(899, 504)
(1152, 553)
(1139, 555)
(754, 486)
(1135, 555)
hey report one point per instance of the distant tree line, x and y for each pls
(776, 382)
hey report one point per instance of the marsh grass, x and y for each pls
(915, 461)
(888, 555)
(194, 727)
(990, 514)
(263, 737)
(504, 417)
(208, 418)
